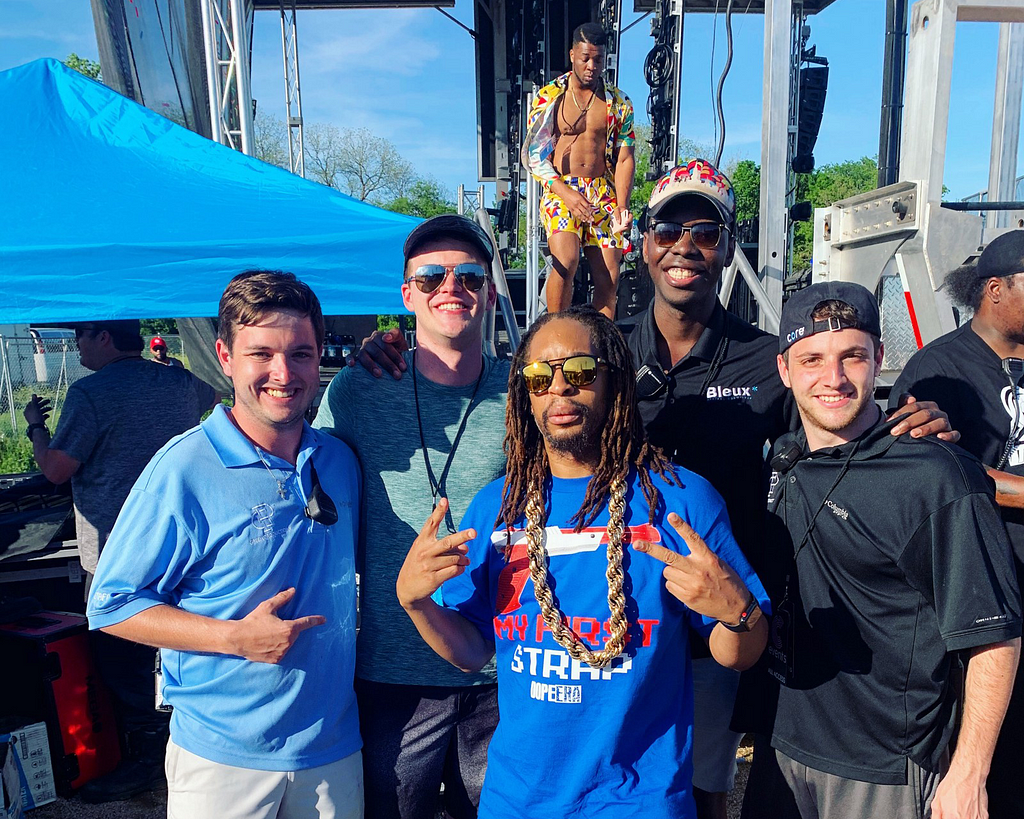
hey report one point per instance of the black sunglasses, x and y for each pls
(429, 277)
(577, 370)
(705, 235)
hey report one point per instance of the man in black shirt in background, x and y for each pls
(975, 374)
(889, 575)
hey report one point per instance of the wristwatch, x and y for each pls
(751, 610)
(32, 428)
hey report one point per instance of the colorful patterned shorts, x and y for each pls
(557, 217)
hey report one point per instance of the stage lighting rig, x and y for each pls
(662, 72)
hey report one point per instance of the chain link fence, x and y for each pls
(45, 363)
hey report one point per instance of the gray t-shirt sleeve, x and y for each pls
(333, 416)
(78, 429)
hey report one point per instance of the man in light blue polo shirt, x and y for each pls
(238, 562)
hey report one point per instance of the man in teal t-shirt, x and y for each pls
(435, 434)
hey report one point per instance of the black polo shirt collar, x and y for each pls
(872, 443)
(704, 349)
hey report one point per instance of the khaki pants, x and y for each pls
(200, 789)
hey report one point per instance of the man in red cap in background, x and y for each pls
(158, 347)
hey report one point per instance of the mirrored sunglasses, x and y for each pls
(705, 235)
(429, 277)
(577, 370)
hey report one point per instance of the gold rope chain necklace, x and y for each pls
(552, 615)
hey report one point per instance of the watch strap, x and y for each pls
(748, 610)
(30, 430)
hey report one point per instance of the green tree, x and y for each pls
(90, 68)
(746, 184)
(692, 149)
(159, 327)
(830, 183)
(822, 187)
(386, 322)
(426, 197)
(641, 187)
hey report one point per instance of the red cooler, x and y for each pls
(47, 675)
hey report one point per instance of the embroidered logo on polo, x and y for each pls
(734, 392)
(263, 523)
(837, 510)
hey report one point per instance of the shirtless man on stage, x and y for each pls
(579, 146)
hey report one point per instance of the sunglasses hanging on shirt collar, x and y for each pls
(320, 507)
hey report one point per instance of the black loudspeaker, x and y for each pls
(635, 292)
(813, 85)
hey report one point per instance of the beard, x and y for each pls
(593, 85)
(835, 421)
(580, 442)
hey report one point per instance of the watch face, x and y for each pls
(748, 612)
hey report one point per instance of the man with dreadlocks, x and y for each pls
(601, 705)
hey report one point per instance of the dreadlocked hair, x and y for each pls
(624, 441)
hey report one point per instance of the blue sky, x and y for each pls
(408, 75)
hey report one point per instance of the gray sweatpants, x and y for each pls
(820, 795)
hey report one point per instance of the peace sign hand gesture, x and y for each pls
(701, 579)
(430, 561)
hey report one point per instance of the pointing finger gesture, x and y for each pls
(263, 637)
(430, 562)
(701, 579)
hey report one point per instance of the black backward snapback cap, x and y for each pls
(449, 225)
(797, 322)
(1003, 256)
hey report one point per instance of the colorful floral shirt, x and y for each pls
(539, 145)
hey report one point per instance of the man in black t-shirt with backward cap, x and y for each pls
(880, 596)
(976, 374)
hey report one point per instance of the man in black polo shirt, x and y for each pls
(880, 596)
(710, 396)
(975, 373)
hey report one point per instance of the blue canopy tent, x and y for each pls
(108, 210)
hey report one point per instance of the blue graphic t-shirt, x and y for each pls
(574, 741)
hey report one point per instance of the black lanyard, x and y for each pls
(810, 526)
(437, 487)
(716, 361)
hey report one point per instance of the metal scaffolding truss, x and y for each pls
(469, 201)
(227, 26)
(292, 92)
